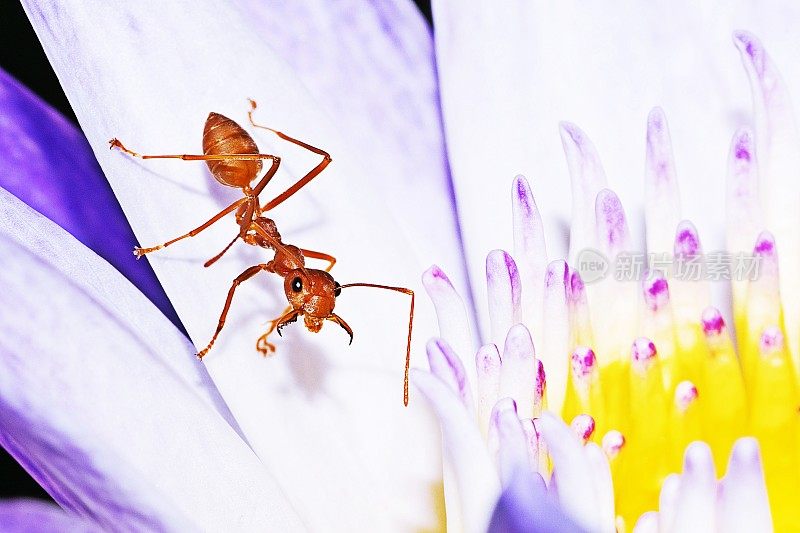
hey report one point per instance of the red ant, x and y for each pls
(234, 160)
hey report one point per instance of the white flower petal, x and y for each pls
(530, 252)
(778, 149)
(323, 417)
(695, 507)
(451, 314)
(743, 215)
(603, 486)
(489, 367)
(504, 289)
(742, 504)
(512, 452)
(667, 501)
(446, 365)
(518, 370)
(647, 523)
(690, 294)
(104, 402)
(487, 124)
(556, 338)
(613, 238)
(362, 60)
(537, 453)
(587, 179)
(569, 60)
(662, 209)
(475, 475)
(572, 472)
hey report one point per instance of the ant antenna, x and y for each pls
(410, 324)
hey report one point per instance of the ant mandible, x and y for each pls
(234, 160)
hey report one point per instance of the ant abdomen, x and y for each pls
(222, 135)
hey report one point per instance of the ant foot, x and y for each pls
(265, 347)
(202, 353)
(139, 252)
(114, 143)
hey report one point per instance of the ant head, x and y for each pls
(311, 291)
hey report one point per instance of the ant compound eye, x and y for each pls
(337, 289)
(297, 284)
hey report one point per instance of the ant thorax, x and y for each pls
(287, 258)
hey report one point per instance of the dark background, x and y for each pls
(22, 56)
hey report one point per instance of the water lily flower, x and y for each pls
(134, 433)
(680, 381)
(318, 418)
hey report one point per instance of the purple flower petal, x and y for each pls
(34, 516)
(103, 401)
(526, 507)
(46, 162)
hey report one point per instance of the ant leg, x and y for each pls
(319, 255)
(116, 143)
(276, 161)
(219, 255)
(265, 347)
(313, 173)
(139, 252)
(244, 276)
(246, 220)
